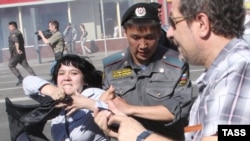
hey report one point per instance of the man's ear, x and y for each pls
(203, 25)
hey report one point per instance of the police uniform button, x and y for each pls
(126, 62)
(121, 91)
(159, 94)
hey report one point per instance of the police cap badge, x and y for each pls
(140, 11)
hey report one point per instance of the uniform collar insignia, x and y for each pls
(126, 72)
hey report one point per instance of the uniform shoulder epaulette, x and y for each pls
(113, 59)
(16, 32)
(173, 61)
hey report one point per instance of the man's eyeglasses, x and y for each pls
(173, 21)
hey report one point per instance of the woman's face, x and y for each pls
(70, 79)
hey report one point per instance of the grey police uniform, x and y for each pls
(16, 37)
(15, 58)
(164, 81)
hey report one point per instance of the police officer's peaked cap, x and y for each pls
(140, 11)
(155, 4)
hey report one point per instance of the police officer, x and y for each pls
(17, 52)
(151, 83)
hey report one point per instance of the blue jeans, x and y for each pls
(52, 67)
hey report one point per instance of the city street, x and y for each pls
(16, 94)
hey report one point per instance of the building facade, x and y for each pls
(99, 17)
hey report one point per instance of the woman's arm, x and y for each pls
(54, 92)
(32, 84)
(36, 85)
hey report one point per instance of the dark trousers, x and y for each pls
(71, 47)
(19, 59)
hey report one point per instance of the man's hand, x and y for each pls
(17, 48)
(128, 128)
(40, 33)
(19, 51)
(101, 119)
(68, 27)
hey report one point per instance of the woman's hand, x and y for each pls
(54, 92)
(79, 102)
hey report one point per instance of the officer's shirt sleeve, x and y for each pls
(14, 37)
(182, 98)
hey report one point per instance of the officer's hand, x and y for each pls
(122, 105)
(108, 95)
(19, 51)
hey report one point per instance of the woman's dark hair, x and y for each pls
(92, 77)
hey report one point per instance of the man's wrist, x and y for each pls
(143, 135)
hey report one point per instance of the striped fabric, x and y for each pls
(224, 91)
